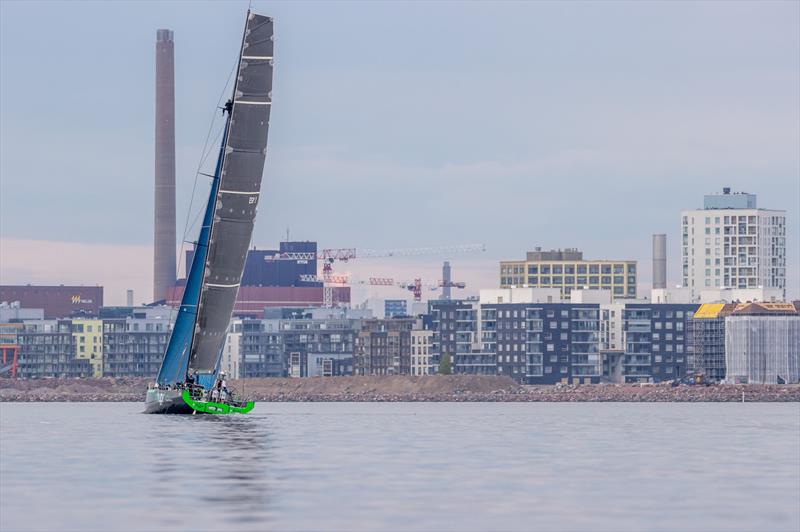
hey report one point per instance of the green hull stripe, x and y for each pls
(209, 407)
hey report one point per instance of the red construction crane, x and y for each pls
(416, 286)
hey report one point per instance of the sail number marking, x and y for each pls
(250, 201)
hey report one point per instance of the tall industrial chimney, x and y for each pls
(659, 261)
(164, 226)
(446, 277)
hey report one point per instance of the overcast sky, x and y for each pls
(573, 124)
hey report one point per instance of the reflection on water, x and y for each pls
(229, 456)
(402, 467)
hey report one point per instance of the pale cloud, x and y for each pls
(117, 268)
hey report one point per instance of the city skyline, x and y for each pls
(553, 232)
(476, 155)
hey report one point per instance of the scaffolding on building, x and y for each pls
(762, 349)
(706, 349)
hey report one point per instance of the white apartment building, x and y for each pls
(230, 351)
(421, 342)
(730, 243)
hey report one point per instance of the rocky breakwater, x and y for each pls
(401, 388)
(73, 390)
(463, 388)
(665, 393)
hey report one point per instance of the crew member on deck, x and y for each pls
(223, 387)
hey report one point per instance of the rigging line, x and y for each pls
(205, 152)
(200, 211)
(197, 217)
(203, 158)
(211, 149)
(196, 175)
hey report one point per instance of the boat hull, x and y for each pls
(166, 402)
(180, 402)
(211, 407)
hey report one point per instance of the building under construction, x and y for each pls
(746, 342)
(762, 344)
(707, 340)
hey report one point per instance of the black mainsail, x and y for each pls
(198, 336)
(238, 193)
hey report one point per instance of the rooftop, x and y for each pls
(729, 200)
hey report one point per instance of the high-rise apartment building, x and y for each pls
(730, 243)
(567, 270)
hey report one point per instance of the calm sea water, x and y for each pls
(434, 466)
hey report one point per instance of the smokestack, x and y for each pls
(164, 226)
(659, 261)
(129, 298)
(446, 277)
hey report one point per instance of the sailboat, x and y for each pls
(191, 364)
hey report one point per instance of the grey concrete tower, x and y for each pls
(659, 261)
(164, 222)
(446, 278)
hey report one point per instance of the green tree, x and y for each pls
(445, 367)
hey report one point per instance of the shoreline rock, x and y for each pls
(401, 388)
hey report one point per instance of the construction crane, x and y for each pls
(415, 287)
(329, 256)
(292, 255)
